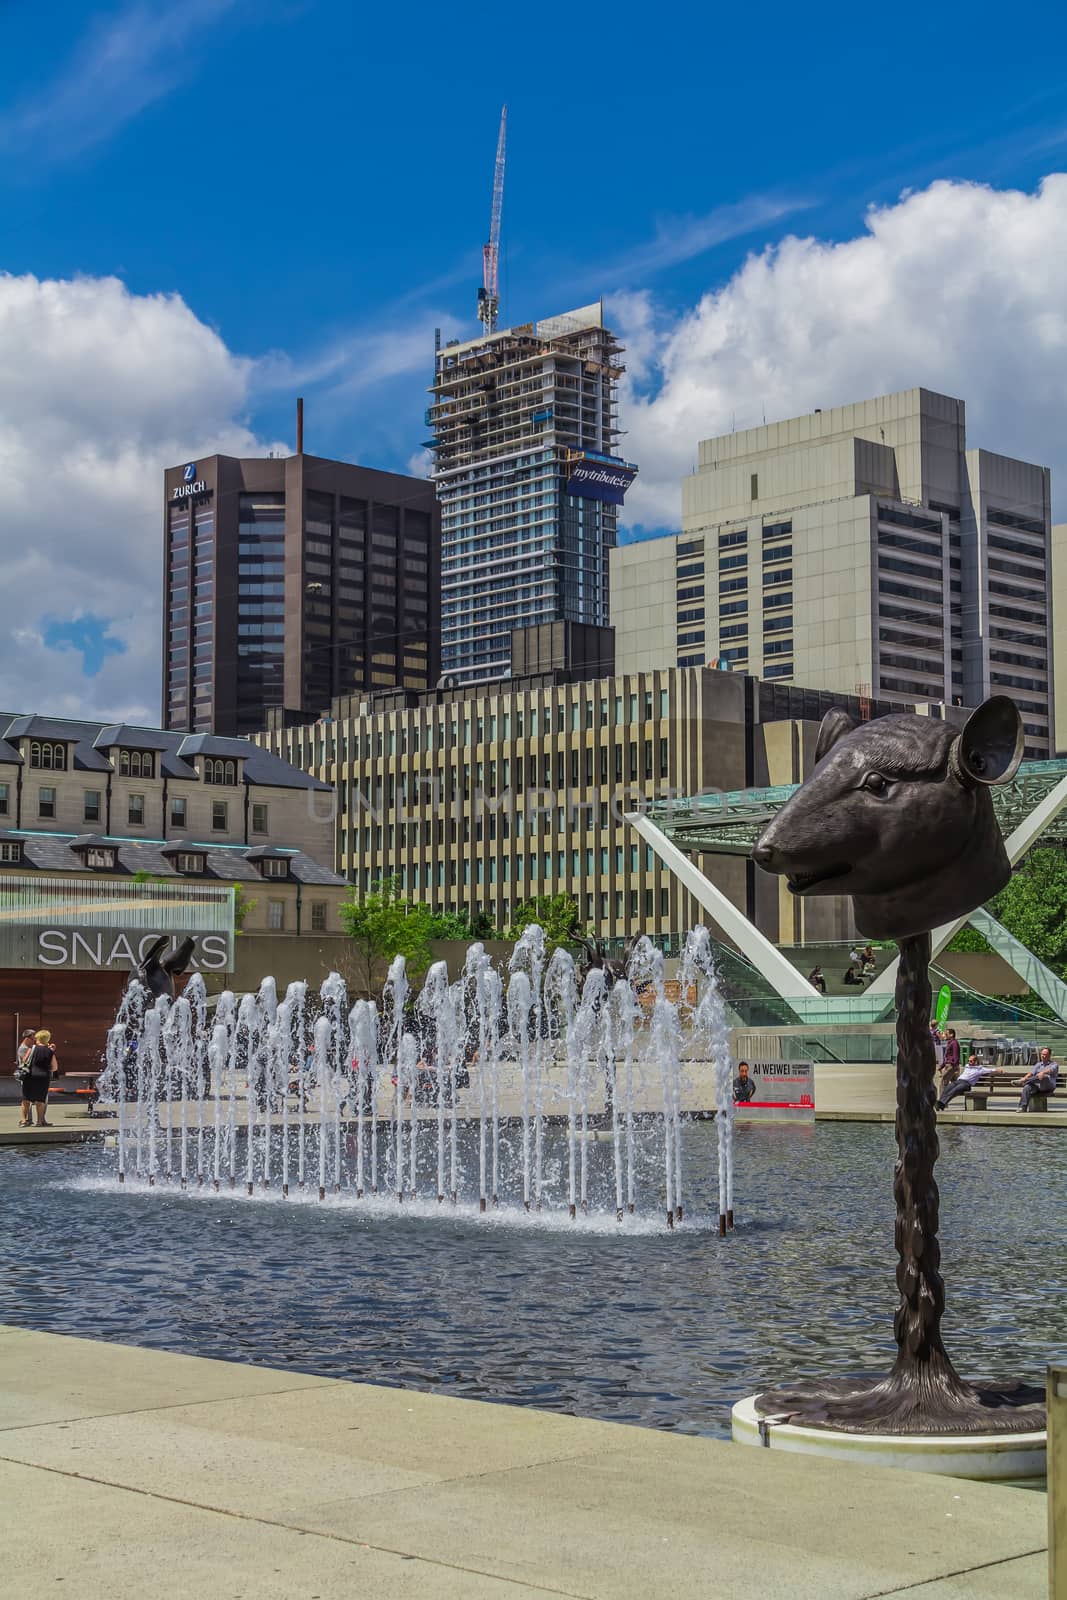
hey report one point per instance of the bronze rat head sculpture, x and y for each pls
(898, 814)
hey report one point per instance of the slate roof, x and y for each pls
(176, 749)
(51, 852)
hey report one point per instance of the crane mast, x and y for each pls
(489, 293)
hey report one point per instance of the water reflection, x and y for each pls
(665, 1331)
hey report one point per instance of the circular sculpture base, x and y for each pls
(1008, 1458)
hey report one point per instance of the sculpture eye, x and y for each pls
(874, 783)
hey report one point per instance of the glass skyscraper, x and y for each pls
(525, 426)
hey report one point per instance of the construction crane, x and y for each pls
(489, 293)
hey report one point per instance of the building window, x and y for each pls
(274, 867)
(276, 915)
(48, 757)
(46, 803)
(11, 852)
(91, 808)
(318, 916)
(100, 858)
(220, 816)
(753, 486)
(178, 811)
(217, 770)
(5, 798)
(189, 861)
(259, 819)
(135, 811)
(136, 764)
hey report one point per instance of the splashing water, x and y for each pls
(542, 1094)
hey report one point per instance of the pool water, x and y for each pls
(641, 1326)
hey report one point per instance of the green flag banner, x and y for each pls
(944, 1000)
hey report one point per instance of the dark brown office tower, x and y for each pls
(289, 581)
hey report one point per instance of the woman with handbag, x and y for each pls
(41, 1066)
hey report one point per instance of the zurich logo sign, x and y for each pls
(189, 472)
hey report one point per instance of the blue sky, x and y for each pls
(311, 179)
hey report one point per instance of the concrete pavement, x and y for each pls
(127, 1471)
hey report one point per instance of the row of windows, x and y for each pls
(92, 809)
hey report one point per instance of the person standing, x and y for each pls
(950, 1067)
(42, 1064)
(21, 1056)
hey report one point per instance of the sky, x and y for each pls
(208, 207)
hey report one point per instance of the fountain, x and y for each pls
(545, 1093)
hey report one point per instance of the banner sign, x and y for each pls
(601, 480)
(781, 1090)
(94, 949)
(944, 1000)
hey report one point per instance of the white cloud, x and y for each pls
(959, 288)
(121, 66)
(100, 389)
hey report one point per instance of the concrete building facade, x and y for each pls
(524, 431)
(1059, 609)
(290, 580)
(485, 798)
(863, 549)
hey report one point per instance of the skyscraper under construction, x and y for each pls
(525, 426)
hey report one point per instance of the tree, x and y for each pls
(462, 925)
(383, 925)
(1034, 906)
(242, 905)
(557, 914)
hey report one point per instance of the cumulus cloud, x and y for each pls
(959, 288)
(100, 389)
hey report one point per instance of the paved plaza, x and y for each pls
(127, 1471)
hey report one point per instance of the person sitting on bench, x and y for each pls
(971, 1074)
(1042, 1080)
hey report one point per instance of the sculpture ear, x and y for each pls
(990, 747)
(835, 725)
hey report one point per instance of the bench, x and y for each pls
(77, 1086)
(1001, 1086)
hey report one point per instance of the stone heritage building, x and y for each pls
(112, 835)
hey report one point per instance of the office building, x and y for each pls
(290, 580)
(864, 549)
(485, 797)
(524, 432)
(1059, 614)
(111, 836)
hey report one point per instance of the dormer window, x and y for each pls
(190, 861)
(48, 756)
(137, 764)
(101, 857)
(274, 867)
(10, 852)
(219, 770)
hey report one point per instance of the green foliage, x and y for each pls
(462, 925)
(242, 905)
(970, 940)
(1034, 906)
(383, 925)
(141, 876)
(558, 915)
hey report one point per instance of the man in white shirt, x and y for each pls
(971, 1074)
